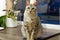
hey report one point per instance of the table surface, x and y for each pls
(15, 33)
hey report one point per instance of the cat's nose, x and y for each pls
(30, 11)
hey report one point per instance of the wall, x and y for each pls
(2, 7)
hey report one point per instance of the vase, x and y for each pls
(11, 23)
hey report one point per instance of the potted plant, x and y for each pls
(11, 20)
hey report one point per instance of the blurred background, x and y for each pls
(48, 10)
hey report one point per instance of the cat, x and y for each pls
(31, 28)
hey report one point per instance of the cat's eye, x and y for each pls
(28, 7)
(32, 8)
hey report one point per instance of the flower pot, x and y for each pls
(11, 23)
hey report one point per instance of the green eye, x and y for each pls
(32, 8)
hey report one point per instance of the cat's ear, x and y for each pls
(35, 3)
(27, 2)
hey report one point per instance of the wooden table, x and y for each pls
(15, 34)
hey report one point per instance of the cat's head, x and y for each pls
(31, 8)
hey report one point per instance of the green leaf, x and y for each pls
(3, 21)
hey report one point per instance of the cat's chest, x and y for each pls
(30, 19)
